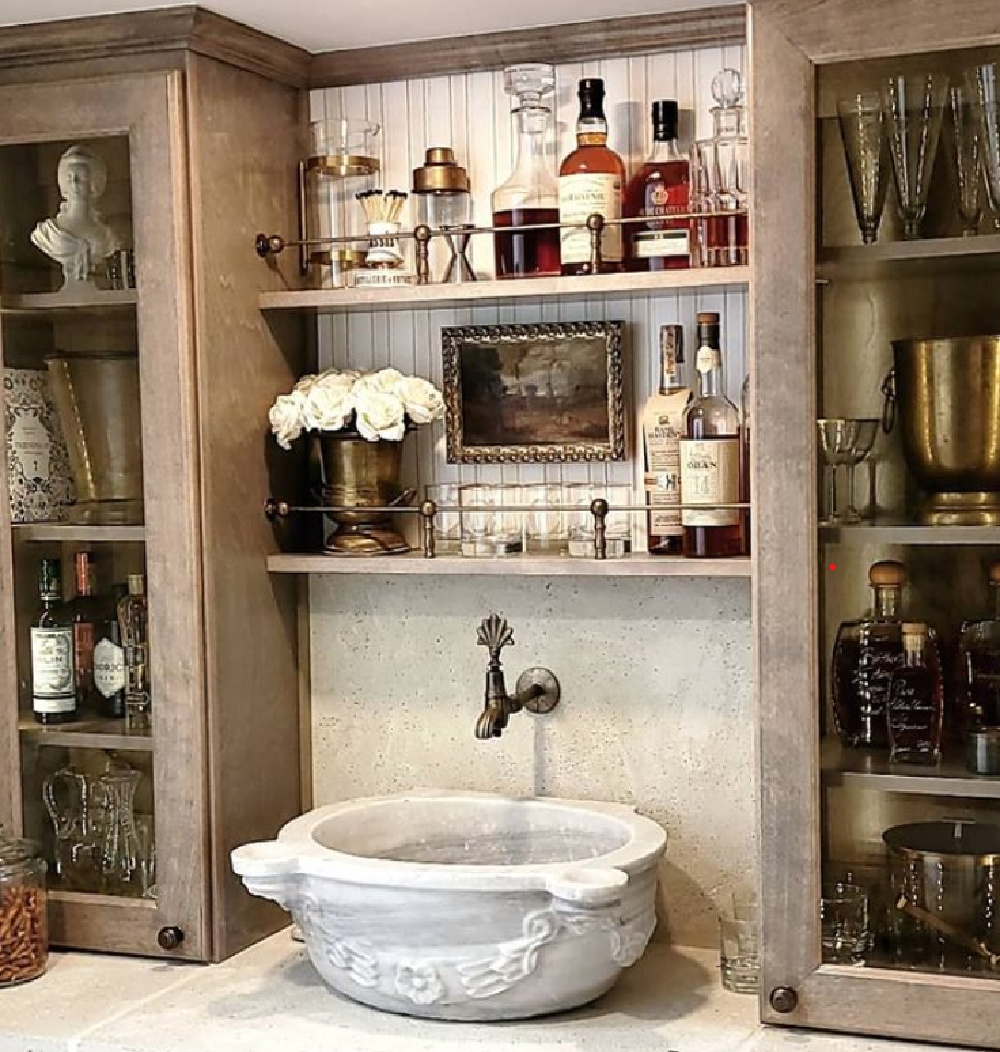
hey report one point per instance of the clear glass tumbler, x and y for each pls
(844, 924)
(447, 524)
(545, 530)
(739, 945)
(580, 527)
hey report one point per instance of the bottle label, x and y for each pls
(583, 195)
(83, 648)
(662, 427)
(109, 668)
(710, 474)
(53, 686)
(665, 244)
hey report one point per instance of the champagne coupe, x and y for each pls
(861, 129)
(966, 154)
(835, 445)
(914, 110)
(862, 434)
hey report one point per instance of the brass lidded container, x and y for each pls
(441, 186)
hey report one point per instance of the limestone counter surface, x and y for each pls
(269, 999)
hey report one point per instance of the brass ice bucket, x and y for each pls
(97, 398)
(359, 473)
(948, 394)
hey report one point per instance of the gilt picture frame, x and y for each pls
(530, 394)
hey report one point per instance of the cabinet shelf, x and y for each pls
(874, 771)
(637, 565)
(413, 297)
(61, 531)
(35, 304)
(903, 258)
(85, 734)
(901, 531)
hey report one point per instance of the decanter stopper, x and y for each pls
(887, 573)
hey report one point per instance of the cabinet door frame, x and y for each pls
(149, 109)
(788, 40)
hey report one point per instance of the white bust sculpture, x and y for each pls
(78, 238)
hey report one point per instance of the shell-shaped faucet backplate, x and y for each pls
(495, 633)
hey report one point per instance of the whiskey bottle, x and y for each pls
(86, 613)
(662, 428)
(53, 683)
(710, 457)
(866, 653)
(916, 700)
(746, 419)
(979, 650)
(661, 186)
(109, 663)
(591, 180)
(133, 617)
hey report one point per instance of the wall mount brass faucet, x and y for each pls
(537, 689)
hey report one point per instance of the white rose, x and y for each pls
(421, 399)
(304, 385)
(328, 404)
(380, 415)
(386, 379)
(285, 417)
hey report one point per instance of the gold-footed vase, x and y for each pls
(360, 473)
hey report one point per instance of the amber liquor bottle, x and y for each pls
(710, 457)
(86, 612)
(661, 187)
(916, 700)
(591, 181)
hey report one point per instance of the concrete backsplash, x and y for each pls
(656, 709)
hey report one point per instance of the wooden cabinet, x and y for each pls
(198, 154)
(825, 310)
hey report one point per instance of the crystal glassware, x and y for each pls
(531, 192)
(77, 814)
(835, 445)
(914, 109)
(979, 648)
(739, 945)
(861, 434)
(844, 924)
(581, 526)
(966, 155)
(544, 529)
(861, 130)
(121, 873)
(916, 700)
(447, 524)
(983, 86)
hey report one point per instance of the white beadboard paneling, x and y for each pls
(471, 113)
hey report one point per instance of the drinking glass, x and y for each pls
(966, 155)
(861, 436)
(707, 227)
(447, 524)
(861, 129)
(835, 445)
(914, 109)
(545, 530)
(983, 85)
(739, 944)
(478, 520)
(509, 524)
(618, 524)
(844, 924)
(146, 853)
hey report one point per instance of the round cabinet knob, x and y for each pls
(784, 999)
(170, 937)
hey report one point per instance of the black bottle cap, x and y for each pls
(591, 95)
(665, 118)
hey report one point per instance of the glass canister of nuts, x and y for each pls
(24, 929)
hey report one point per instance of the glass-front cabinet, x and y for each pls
(877, 341)
(113, 644)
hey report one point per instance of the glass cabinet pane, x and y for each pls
(909, 518)
(72, 414)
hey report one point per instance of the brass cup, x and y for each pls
(358, 473)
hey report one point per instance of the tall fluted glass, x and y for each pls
(861, 130)
(966, 156)
(914, 109)
(983, 84)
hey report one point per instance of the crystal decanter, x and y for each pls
(979, 649)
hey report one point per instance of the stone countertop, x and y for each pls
(269, 999)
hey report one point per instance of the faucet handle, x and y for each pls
(496, 634)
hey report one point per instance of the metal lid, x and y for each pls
(955, 839)
(136, 584)
(16, 855)
(440, 173)
(888, 572)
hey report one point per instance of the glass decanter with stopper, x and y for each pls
(979, 650)
(531, 192)
(916, 700)
(866, 653)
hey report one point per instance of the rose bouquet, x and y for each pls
(377, 405)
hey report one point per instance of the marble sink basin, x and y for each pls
(465, 905)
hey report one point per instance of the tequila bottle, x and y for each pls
(979, 649)
(916, 700)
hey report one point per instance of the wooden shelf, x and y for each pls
(637, 565)
(85, 734)
(901, 258)
(901, 531)
(55, 303)
(414, 297)
(873, 771)
(62, 531)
